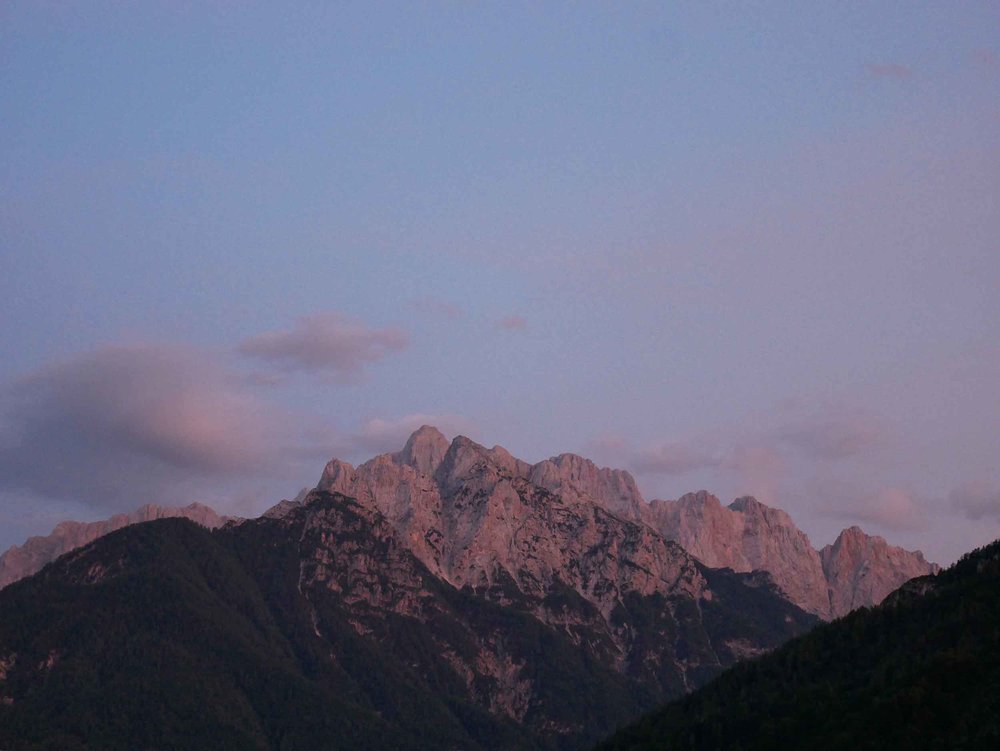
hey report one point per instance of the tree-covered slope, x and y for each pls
(921, 671)
(156, 637)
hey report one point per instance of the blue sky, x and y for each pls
(751, 248)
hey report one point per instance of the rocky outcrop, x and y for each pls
(746, 536)
(21, 561)
(862, 569)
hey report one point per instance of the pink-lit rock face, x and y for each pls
(863, 569)
(461, 508)
(746, 536)
(21, 561)
(472, 514)
(573, 476)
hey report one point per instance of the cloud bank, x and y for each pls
(828, 439)
(325, 343)
(977, 500)
(126, 425)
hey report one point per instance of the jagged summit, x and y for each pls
(615, 489)
(418, 489)
(863, 569)
(425, 450)
(747, 535)
(459, 507)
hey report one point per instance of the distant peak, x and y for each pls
(424, 450)
(854, 535)
(700, 498)
(746, 503)
(426, 433)
(337, 476)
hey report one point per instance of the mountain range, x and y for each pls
(857, 570)
(411, 487)
(444, 596)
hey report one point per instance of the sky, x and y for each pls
(747, 247)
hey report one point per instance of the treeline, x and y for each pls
(922, 671)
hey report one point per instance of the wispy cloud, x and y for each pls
(672, 459)
(889, 70)
(831, 438)
(122, 425)
(326, 343)
(512, 323)
(759, 469)
(976, 500)
(889, 508)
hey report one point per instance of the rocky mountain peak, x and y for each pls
(751, 507)
(577, 478)
(337, 477)
(747, 504)
(424, 450)
(463, 459)
(863, 569)
(854, 537)
(746, 536)
(700, 499)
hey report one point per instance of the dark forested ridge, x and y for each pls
(320, 630)
(921, 671)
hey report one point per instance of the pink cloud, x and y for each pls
(513, 323)
(759, 469)
(122, 423)
(890, 508)
(672, 459)
(664, 459)
(328, 343)
(889, 70)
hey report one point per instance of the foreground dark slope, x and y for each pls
(320, 630)
(921, 671)
(156, 637)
